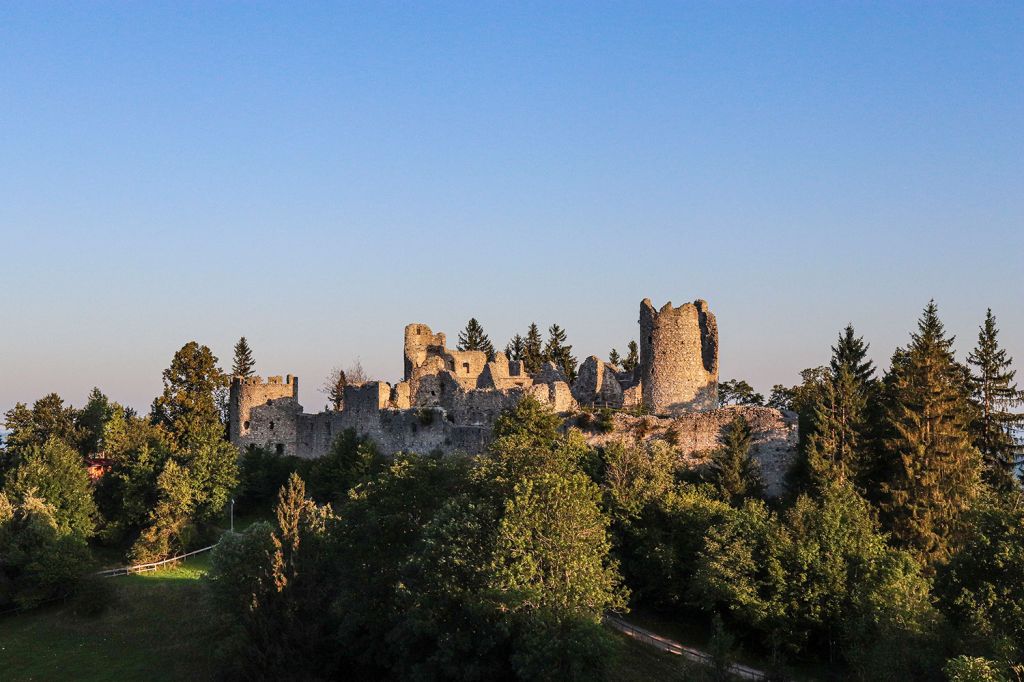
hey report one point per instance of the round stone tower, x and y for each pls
(678, 357)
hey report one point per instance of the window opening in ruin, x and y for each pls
(432, 393)
(271, 426)
(245, 425)
(465, 366)
(269, 401)
(650, 339)
(279, 449)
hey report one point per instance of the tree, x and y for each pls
(738, 392)
(473, 337)
(850, 353)
(355, 375)
(533, 354)
(243, 364)
(782, 398)
(55, 473)
(334, 387)
(92, 419)
(170, 528)
(632, 357)
(39, 558)
(934, 469)
(614, 359)
(733, 471)
(515, 350)
(995, 394)
(187, 408)
(559, 352)
(48, 418)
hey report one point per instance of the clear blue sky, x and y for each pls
(315, 176)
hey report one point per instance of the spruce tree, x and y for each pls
(559, 352)
(614, 359)
(632, 357)
(733, 471)
(334, 387)
(533, 355)
(474, 338)
(933, 467)
(515, 350)
(243, 364)
(995, 394)
(851, 352)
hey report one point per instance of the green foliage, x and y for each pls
(533, 355)
(556, 350)
(334, 388)
(350, 459)
(473, 337)
(187, 409)
(92, 420)
(933, 470)
(136, 451)
(262, 472)
(634, 476)
(515, 349)
(48, 418)
(733, 471)
(39, 557)
(243, 363)
(605, 422)
(996, 395)
(632, 357)
(982, 587)
(55, 472)
(614, 359)
(738, 392)
(972, 669)
(171, 528)
(721, 647)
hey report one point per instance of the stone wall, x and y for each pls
(678, 357)
(248, 392)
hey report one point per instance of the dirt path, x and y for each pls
(673, 647)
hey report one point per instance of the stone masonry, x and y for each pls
(448, 400)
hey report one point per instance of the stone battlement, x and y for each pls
(449, 399)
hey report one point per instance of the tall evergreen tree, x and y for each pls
(850, 352)
(515, 350)
(614, 359)
(334, 387)
(934, 469)
(995, 394)
(733, 471)
(243, 359)
(92, 419)
(533, 354)
(559, 352)
(632, 357)
(473, 337)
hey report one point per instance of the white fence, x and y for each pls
(145, 568)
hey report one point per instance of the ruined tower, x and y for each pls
(678, 357)
(421, 343)
(249, 392)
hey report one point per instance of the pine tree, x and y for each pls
(334, 387)
(934, 469)
(851, 352)
(474, 338)
(559, 352)
(515, 350)
(733, 471)
(614, 359)
(243, 359)
(632, 357)
(533, 355)
(994, 394)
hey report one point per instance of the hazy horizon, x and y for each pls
(315, 179)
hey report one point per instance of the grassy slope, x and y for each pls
(159, 628)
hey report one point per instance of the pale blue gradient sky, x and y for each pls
(316, 177)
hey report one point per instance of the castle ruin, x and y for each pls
(449, 400)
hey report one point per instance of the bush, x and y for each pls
(605, 420)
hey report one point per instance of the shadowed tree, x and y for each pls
(559, 352)
(733, 470)
(632, 357)
(533, 354)
(738, 392)
(334, 387)
(614, 359)
(515, 350)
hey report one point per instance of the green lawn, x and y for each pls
(158, 628)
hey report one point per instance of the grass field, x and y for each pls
(158, 628)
